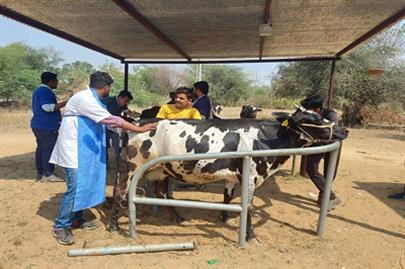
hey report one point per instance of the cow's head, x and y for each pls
(249, 112)
(312, 127)
(216, 110)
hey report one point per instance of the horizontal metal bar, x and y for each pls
(229, 155)
(129, 249)
(186, 203)
(229, 61)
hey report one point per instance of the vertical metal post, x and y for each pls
(326, 193)
(199, 72)
(244, 200)
(125, 76)
(131, 204)
(331, 83)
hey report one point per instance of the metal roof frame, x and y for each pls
(129, 9)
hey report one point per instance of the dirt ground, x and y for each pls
(366, 231)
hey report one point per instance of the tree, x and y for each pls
(354, 88)
(18, 77)
(229, 85)
(74, 76)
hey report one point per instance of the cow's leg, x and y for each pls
(119, 194)
(228, 196)
(162, 191)
(250, 234)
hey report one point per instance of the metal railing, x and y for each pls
(247, 188)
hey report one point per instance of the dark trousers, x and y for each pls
(313, 171)
(46, 140)
(115, 139)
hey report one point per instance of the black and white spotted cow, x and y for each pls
(175, 137)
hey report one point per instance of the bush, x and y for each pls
(284, 103)
(148, 99)
(384, 114)
(261, 100)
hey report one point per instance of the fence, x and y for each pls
(247, 184)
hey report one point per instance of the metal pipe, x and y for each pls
(130, 249)
(131, 195)
(187, 204)
(326, 193)
(331, 83)
(220, 155)
(244, 200)
(126, 76)
(223, 60)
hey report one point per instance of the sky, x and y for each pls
(12, 31)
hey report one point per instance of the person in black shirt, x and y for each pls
(116, 105)
(315, 103)
(172, 96)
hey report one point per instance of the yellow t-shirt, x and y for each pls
(171, 112)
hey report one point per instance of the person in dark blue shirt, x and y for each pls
(203, 102)
(116, 105)
(45, 124)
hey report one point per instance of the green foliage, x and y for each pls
(147, 99)
(74, 76)
(296, 80)
(229, 85)
(117, 74)
(285, 103)
(354, 88)
(18, 77)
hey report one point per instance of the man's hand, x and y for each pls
(59, 105)
(149, 126)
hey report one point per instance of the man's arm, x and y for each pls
(59, 105)
(203, 106)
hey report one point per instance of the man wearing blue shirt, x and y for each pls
(45, 124)
(116, 105)
(203, 102)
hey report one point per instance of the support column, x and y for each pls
(126, 76)
(331, 84)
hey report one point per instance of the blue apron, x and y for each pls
(92, 169)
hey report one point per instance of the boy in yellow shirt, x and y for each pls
(182, 108)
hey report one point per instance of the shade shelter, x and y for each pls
(211, 31)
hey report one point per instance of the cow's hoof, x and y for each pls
(232, 222)
(180, 220)
(250, 236)
(256, 241)
(225, 217)
(185, 223)
(113, 227)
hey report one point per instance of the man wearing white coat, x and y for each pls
(81, 151)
